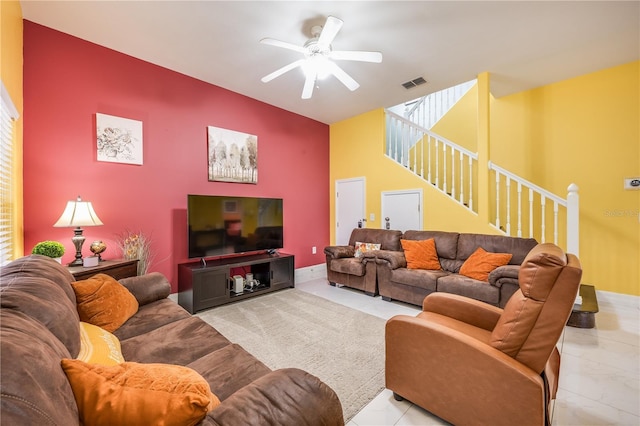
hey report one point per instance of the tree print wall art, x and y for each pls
(119, 139)
(233, 156)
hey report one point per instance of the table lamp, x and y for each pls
(78, 213)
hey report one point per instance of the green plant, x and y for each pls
(49, 248)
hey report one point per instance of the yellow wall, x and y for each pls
(583, 130)
(11, 76)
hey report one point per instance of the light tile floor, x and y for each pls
(599, 377)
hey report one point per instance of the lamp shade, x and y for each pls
(78, 213)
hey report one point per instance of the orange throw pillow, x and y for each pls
(421, 254)
(139, 394)
(103, 301)
(481, 263)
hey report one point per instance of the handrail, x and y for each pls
(528, 184)
(428, 132)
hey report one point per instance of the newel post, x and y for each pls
(573, 220)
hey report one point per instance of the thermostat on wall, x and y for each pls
(632, 183)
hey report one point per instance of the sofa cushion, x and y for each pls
(34, 387)
(104, 302)
(364, 247)
(481, 263)
(98, 346)
(179, 342)
(351, 266)
(40, 266)
(469, 287)
(388, 239)
(43, 300)
(136, 394)
(228, 369)
(421, 254)
(151, 316)
(446, 242)
(421, 278)
(518, 247)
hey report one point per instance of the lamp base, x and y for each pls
(78, 241)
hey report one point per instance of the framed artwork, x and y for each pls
(119, 139)
(233, 156)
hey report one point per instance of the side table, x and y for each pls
(116, 268)
(584, 315)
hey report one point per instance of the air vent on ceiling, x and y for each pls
(413, 83)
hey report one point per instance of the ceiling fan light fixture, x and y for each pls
(318, 66)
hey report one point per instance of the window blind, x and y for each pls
(8, 116)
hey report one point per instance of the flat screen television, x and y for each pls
(223, 225)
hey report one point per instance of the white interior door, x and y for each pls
(349, 207)
(403, 209)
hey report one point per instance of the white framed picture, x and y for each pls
(119, 140)
(233, 156)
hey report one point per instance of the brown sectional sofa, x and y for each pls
(385, 271)
(359, 272)
(39, 326)
(396, 282)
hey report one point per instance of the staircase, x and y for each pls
(517, 207)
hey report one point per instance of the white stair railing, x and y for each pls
(444, 164)
(546, 216)
(428, 110)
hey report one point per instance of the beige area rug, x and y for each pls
(290, 328)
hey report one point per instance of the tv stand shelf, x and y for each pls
(204, 285)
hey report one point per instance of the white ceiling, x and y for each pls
(522, 44)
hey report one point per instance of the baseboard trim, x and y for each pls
(618, 299)
(309, 273)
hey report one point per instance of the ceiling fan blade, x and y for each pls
(356, 55)
(279, 72)
(329, 31)
(283, 44)
(342, 76)
(307, 90)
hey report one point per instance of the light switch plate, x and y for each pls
(372, 217)
(632, 183)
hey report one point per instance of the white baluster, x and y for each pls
(497, 200)
(471, 183)
(444, 167)
(461, 156)
(429, 159)
(437, 152)
(422, 155)
(555, 222)
(519, 210)
(543, 203)
(453, 174)
(530, 213)
(573, 219)
(508, 205)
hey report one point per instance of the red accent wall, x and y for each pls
(68, 80)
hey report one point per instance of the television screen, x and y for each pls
(222, 225)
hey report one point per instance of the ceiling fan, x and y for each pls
(318, 57)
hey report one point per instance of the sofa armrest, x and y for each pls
(463, 308)
(337, 252)
(147, 288)
(395, 259)
(508, 272)
(283, 397)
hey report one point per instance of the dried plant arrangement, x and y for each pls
(136, 245)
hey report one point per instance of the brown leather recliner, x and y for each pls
(472, 363)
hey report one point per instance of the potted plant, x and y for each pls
(51, 249)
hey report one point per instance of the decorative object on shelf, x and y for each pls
(78, 213)
(119, 139)
(233, 156)
(136, 245)
(98, 247)
(52, 249)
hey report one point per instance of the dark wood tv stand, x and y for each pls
(203, 285)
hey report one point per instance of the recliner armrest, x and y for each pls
(338, 252)
(463, 309)
(147, 288)
(395, 259)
